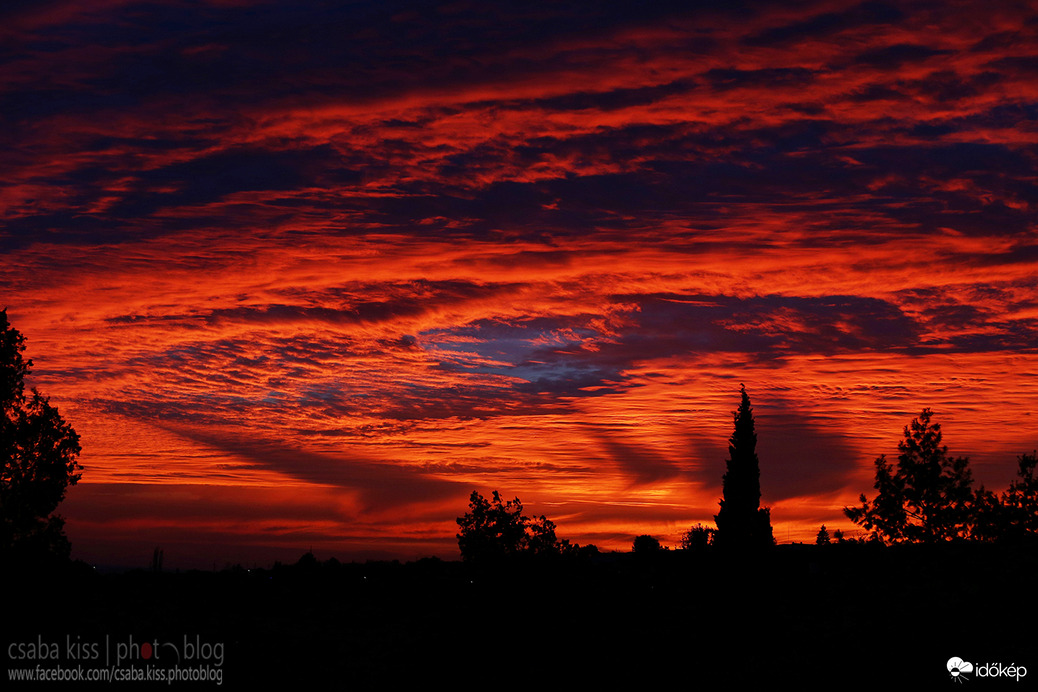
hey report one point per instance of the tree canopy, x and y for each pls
(742, 522)
(494, 530)
(698, 538)
(1020, 501)
(646, 544)
(1013, 516)
(927, 497)
(822, 537)
(39, 453)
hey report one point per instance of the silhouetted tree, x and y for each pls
(541, 538)
(587, 551)
(741, 522)
(1021, 500)
(646, 544)
(927, 497)
(838, 535)
(823, 536)
(698, 538)
(989, 517)
(38, 450)
(493, 530)
(308, 561)
(1014, 516)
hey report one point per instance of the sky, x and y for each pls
(303, 275)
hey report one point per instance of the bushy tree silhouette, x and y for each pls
(38, 450)
(495, 530)
(926, 498)
(741, 522)
(646, 544)
(697, 539)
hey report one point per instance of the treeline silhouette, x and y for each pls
(799, 611)
(927, 497)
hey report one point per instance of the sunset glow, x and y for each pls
(305, 275)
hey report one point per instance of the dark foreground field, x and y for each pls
(835, 617)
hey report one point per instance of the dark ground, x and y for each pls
(833, 617)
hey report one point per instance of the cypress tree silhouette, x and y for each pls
(741, 522)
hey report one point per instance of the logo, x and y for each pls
(958, 669)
